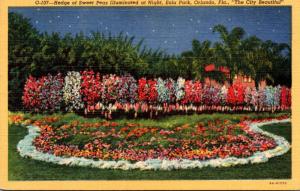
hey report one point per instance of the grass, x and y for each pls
(28, 169)
(164, 122)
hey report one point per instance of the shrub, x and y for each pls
(235, 95)
(179, 89)
(90, 89)
(248, 96)
(277, 96)
(127, 89)
(152, 97)
(51, 94)
(142, 89)
(269, 96)
(109, 91)
(261, 97)
(163, 91)
(31, 94)
(254, 97)
(188, 92)
(223, 95)
(197, 92)
(71, 91)
(210, 96)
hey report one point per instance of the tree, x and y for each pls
(279, 55)
(196, 59)
(255, 60)
(266, 60)
(47, 59)
(23, 41)
(116, 55)
(229, 49)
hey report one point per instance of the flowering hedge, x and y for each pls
(91, 92)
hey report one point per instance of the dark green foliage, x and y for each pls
(23, 43)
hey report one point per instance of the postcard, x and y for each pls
(149, 94)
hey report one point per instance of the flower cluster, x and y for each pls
(223, 95)
(110, 92)
(71, 91)
(51, 92)
(92, 92)
(254, 97)
(90, 89)
(213, 96)
(127, 89)
(164, 90)
(193, 92)
(143, 89)
(235, 95)
(152, 98)
(285, 97)
(248, 96)
(179, 89)
(44, 94)
(31, 94)
(272, 96)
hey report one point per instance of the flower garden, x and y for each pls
(28, 163)
(109, 107)
(222, 141)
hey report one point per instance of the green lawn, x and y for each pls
(27, 169)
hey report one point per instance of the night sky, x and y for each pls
(169, 28)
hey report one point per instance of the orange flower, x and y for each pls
(16, 118)
(185, 126)
(74, 123)
(46, 128)
(51, 119)
(114, 124)
(38, 123)
(132, 124)
(66, 126)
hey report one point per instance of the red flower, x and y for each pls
(143, 89)
(235, 95)
(152, 98)
(31, 98)
(90, 88)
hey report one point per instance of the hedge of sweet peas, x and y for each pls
(91, 92)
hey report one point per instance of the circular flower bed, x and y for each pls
(216, 143)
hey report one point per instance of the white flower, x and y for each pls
(71, 91)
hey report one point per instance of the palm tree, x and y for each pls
(254, 59)
(228, 51)
(266, 60)
(279, 54)
(197, 58)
